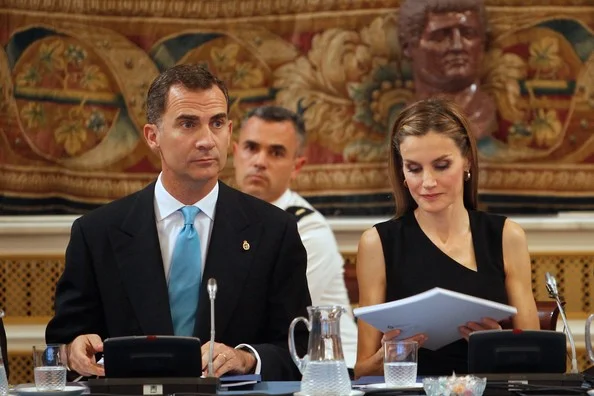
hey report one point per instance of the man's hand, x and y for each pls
(228, 360)
(81, 355)
(484, 324)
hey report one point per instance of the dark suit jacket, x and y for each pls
(114, 282)
(3, 346)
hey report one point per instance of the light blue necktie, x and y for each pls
(185, 275)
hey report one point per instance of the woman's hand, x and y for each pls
(420, 338)
(377, 360)
(484, 324)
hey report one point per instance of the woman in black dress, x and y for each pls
(438, 238)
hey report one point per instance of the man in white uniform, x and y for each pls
(268, 155)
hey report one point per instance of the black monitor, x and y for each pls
(152, 356)
(517, 351)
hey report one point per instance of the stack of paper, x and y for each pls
(229, 381)
(437, 312)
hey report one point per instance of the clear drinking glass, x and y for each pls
(400, 363)
(49, 369)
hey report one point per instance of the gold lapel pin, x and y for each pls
(246, 245)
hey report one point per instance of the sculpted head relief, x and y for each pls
(445, 41)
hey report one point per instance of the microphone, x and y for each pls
(551, 284)
(212, 292)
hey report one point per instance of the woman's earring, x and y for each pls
(467, 175)
(405, 184)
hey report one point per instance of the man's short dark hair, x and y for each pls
(280, 114)
(194, 77)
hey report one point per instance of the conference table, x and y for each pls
(290, 388)
(293, 387)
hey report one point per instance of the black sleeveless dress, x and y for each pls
(414, 264)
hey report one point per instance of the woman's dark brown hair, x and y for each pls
(431, 115)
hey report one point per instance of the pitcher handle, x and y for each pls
(589, 338)
(299, 362)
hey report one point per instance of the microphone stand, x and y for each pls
(209, 385)
(551, 284)
(212, 291)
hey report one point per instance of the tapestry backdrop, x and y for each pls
(74, 74)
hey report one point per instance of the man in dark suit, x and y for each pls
(3, 345)
(120, 256)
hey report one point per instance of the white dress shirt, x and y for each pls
(170, 221)
(325, 269)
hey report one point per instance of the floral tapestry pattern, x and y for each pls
(73, 80)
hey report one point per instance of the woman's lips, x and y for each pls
(430, 196)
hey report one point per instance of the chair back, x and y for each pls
(548, 312)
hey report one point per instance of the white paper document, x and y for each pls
(229, 381)
(437, 312)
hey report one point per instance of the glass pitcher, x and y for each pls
(588, 338)
(323, 368)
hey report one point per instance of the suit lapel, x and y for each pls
(228, 260)
(138, 255)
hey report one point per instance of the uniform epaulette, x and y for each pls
(299, 211)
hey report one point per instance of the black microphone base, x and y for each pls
(538, 383)
(154, 386)
(560, 379)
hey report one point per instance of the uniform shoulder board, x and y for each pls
(299, 212)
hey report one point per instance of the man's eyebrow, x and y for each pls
(278, 147)
(187, 117)
(219, 116)
(250, 142)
